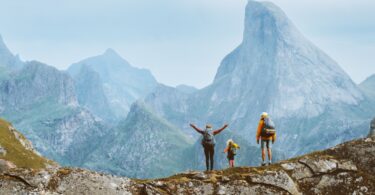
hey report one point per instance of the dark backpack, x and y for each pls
(269, 128)
(208, 138)
(233, 150)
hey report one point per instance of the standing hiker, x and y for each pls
(208, 143)
(232, 151)
(266, 132)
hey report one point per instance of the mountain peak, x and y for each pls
(7, 58)
(4, 51)
(265, 22)
(110, 51)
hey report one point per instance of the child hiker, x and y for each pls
(231, 150)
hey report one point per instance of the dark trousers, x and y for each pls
(209, 151)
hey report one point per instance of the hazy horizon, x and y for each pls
(179, 42)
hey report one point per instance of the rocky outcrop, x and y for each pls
(345, 169)
(6, 165)
(36, 83)
(372, 128)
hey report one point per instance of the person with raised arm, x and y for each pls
(208, 143)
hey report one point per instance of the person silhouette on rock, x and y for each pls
(208, 143)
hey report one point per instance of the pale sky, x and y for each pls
(180, 41)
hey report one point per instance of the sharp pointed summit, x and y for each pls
(266, 23)
(110, 51)
(289, 74)
(111, 54)
(7, 59)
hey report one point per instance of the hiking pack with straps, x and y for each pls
(269, 128)
(233, 150)
(208, 137)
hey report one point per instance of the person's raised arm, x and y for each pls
(196, 128)
(226, 149)
(221, 129)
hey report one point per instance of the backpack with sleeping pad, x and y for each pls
(208, 137)
(269, 128)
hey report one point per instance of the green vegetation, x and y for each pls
(16, 152)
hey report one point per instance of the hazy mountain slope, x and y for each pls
(35, 83)
(368, 87)
(122, 83)
(142, 146)
(173, 105)
(91, 95)
(41, 101)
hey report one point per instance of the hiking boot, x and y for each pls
(263, 164)
(269, 163)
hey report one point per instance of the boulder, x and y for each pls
(3, 152)
(6, 165)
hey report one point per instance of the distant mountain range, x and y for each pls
(113, 81)
(104, 114)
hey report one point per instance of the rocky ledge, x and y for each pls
(345, 169)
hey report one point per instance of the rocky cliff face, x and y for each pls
(290, 75)
(34, 84)
(91, 95)
(345, 169)
(41, 100)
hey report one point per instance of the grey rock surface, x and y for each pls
(6, 165)
(338, 170)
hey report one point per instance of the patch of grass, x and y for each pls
(16, 152)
